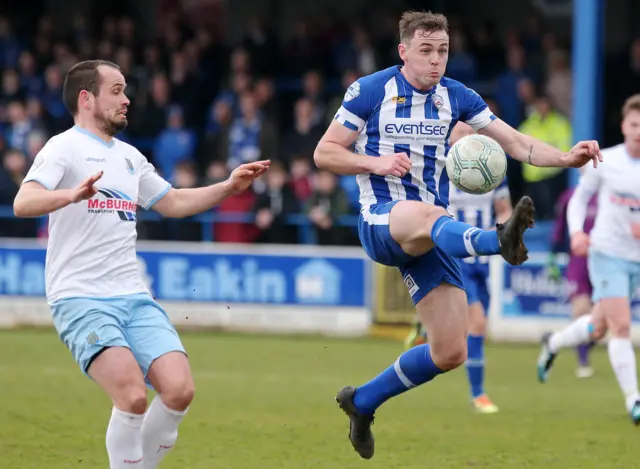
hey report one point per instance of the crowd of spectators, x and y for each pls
(201, 106)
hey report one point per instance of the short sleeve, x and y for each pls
(151, 187)
(473, 110)
(358, 104)
(50, 164)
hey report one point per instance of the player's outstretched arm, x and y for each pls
(537, 153)
(180, 203)
(332, 153)
(35, 200)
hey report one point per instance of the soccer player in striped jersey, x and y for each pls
(481, 211)
(400, 119)
(613, 249)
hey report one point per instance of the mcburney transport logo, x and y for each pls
(113, 201)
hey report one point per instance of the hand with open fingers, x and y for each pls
(397, 165)
(86, 189)
(580, 244)
(582, 153)
(244, 175)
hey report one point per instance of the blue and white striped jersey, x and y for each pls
(392, 116)
(477, 210)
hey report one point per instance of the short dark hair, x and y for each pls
(412, 21)
(82, 76)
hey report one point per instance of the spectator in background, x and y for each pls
(462, 65)
(274, 205)
(559, 86)
(544, 185)
(305, 134)
(186, 229)
(14, 169)
(507, 97)
(327, 203)
(301, 172)
(174, 145)
(314, 90)
(152, 113)
(250, 136)
(19, 128)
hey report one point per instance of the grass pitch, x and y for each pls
(267, 402)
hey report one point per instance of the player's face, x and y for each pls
(631, 129)
(111, 103)
(425, 57)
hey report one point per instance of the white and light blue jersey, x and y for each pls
(392, 116)
(477, 210)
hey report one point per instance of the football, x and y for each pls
(476, 164)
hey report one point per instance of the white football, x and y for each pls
(476, 164)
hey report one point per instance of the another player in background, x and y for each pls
(91, 185)
(400, 119)
(481, 211)
(577, 272)
(613, 247)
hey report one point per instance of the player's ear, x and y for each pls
(402, 51)
(84, 99)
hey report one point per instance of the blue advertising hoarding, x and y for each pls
(231, 274)
(530, 292)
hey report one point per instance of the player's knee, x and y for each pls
(450, 356)
(599, 329)
(179, 395)
(620, 329)
(132, 399)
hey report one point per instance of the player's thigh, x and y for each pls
(87, 326)
(434, 281)
(410, 224)
(150, 332)
(117, 372)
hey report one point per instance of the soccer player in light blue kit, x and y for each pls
(400, 119)
(91, 184)
(613, 250)
(479, 211)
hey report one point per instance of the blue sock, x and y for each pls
(413, 368)
(459, 239)
(475, 364)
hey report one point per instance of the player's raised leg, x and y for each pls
(416, 227)
(586, 329)
(581, 306)
(158, 349)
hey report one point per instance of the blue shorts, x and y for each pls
(612, 277)
(474, 277)
(89, 325)
(421, 274)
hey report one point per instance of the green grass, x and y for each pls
(267, 403)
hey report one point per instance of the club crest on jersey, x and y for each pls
(437, 101)
(129, 165)
(114, 202)
(352, 92)
(399, 99)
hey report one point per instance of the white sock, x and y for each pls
(623, 361)
(124, 440)
(576, 333)
(159, 432)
